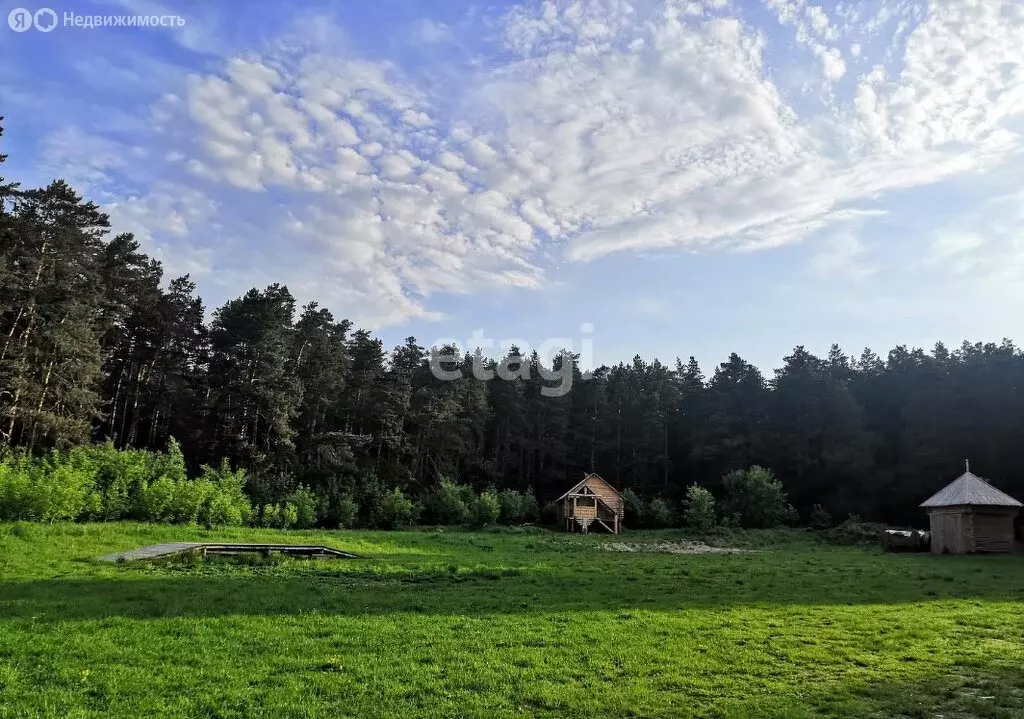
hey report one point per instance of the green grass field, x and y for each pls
(503, 624)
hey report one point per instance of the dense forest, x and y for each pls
(97, 344)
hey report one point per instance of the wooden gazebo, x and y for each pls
(970, 515)
(591, 502)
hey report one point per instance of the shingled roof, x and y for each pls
(969, 488)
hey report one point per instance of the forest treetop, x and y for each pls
(96, 343)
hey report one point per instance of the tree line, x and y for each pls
(97, 344)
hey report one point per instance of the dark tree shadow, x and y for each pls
(642, 583)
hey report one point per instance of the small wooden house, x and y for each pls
(591, 502)
(970, 515)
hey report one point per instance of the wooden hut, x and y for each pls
(592, 501)
(970, 515)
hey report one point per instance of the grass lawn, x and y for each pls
(503, 624)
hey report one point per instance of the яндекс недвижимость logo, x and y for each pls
(20, 19)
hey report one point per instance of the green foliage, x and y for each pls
(854, 531)
(636, 509)
(270, 516)
(101, 483)
(155, 500)
(486, 509)
(346, 511)
(513, 506)
(395, 511)
(531, 509)
(699, 513)
(820, 519)
(659, 514)
(549, 513)
(305, 505)
(757, 497)
(288, 515)
(446, 503)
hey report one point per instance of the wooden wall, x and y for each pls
(608, 495)
(965, 530)
(949, 531)
(993, 531)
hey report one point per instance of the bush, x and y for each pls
(820, 519)
(346, 511)
(396, 510)
(270, 516)
(19, 498)
(170, 465)
(446, 504)
(659, 514)
(700, 513)
(190, 496)
(854, 531)
(155, 500)
(486, 509)
(100, 482)
(635, 508)
(512, 506)
(757, 497)
(531, 509)
(288, 515)
(228, 504)
(549, 513)
(305, 505)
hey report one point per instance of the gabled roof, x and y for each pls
(584, 481)
(969, 488)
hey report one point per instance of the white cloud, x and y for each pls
(598, 127)
(841, 256)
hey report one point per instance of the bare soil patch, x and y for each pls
(665, 547)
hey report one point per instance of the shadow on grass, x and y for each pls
(964, 691)
(636, 582)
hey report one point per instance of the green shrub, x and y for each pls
(820, 519)
(221, 511)
(635, 509)
(512, 506)
(155, 500)
(170, 464)
(270, 516)
(347, 511)
(446, 504)
(305, 507)
(188, 500)
(228, 505)
(854, 531)
(659, 514)
(486, 509)
(288, 515)
(757, 497)
(549, 513)
(396, 510)
(700, 512)
(19, 498)
(93, 509)
(531, 509)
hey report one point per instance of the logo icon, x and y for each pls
(45, 19)
(19, 19)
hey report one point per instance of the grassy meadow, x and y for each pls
(508, 623)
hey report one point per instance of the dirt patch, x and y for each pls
(681, 547)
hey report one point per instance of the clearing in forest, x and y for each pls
(502, 624)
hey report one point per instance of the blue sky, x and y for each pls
(691, 177)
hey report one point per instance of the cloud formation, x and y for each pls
(582, 129)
